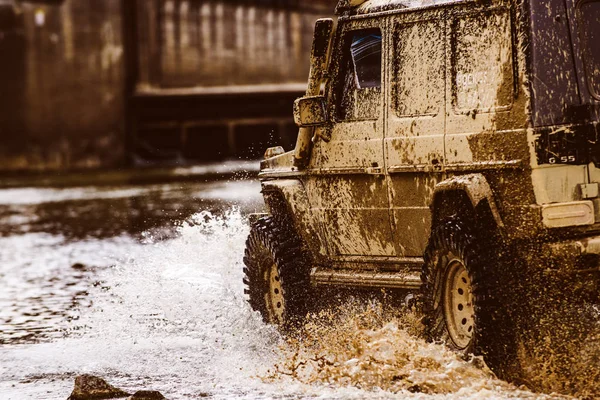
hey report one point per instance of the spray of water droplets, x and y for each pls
(171, 315)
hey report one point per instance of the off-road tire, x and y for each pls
(453, 241)
(272, 243)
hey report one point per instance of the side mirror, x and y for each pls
(310, 111)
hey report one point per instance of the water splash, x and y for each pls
(170, 315)
(369, 346)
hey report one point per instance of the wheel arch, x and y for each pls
(468, 193)
(288, 198)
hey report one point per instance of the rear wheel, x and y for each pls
(277, 272)
(462, 301)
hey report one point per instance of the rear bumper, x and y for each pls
(573, 265)
(589, 245)
(578, 256)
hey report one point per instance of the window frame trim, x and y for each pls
(345, 27)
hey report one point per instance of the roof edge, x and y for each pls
(347, 5)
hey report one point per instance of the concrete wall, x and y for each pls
(72, 73)
(185, 43)
(217, 79)
(61, 76)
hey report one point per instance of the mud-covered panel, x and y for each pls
(411, 196)
(358, 232)
(418, 68)
(416, 151)
(357, 130)
(348, 191)
(499, 146)
(413, 190)
(295, 201)
(482, 61)
(514, 197)
(488, 148)
(412, 230)
(353, 211)
(348, 149)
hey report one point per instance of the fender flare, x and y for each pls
(477, 189)
(294, 195)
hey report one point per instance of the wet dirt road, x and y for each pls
(142, 285)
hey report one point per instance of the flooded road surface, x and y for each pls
(142, 285)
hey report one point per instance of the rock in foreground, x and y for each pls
(147, 395)
(88, 387)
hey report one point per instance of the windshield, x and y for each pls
(589, 17)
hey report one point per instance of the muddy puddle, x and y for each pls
(142, 285)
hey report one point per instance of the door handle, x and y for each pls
(374, 171)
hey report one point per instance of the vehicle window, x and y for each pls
(589, 16)
(482, 62)
(359, 86)
(366, 57)
(419, 63)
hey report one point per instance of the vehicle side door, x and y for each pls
(347, 186)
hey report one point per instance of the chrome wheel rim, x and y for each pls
(458, 304)
(274, 296)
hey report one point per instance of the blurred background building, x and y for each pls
(103, 83)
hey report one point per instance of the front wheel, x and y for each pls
(462, 292)
(276, 273)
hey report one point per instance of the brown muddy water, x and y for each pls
(142, 285)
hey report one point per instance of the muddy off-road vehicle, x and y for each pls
(442, 145)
